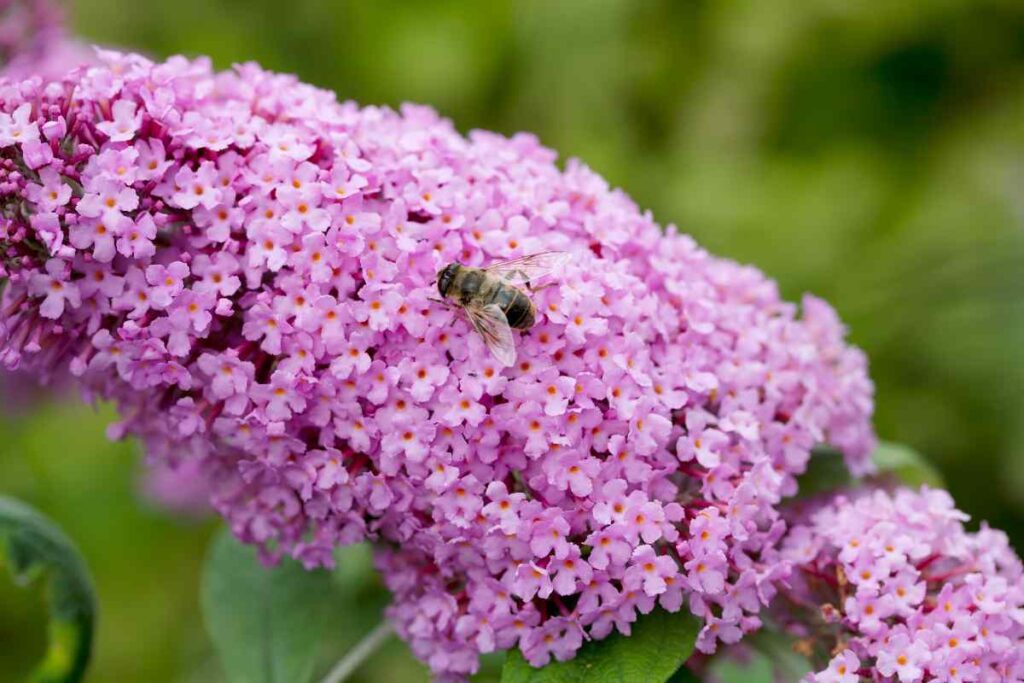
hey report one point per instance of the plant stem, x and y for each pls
(347, 665)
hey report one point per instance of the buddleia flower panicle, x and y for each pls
(903, 592)
(246, 267)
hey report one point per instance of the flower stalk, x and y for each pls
(355, 657)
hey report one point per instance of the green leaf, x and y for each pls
(771, 658)
(827, 471)
(683, 675)
(778, 649)
(353, 569)
(33, 547)
(265, 622)
(660, 643)
(907, 465)
(757, 669)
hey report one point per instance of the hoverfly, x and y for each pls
(493, 299)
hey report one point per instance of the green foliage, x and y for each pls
(266, 622)
(757, 669)
(894, 462)
(34, 548)
(683, 675)
(145, 563)
(825, 472)
(659, 644)
(907, 465)
(770, 658)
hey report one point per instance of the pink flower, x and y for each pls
(302, 212)
(266, 324)
(571, 471)
(343, 184)
(558, 638)
(613, 503)
(166, 283)
(648, 571)
(57, 289)
(504, 507)
(281, 397)
(100, 234)
(136, 241)
(707, 573)
(550, 535)
(120, 165)
(530, 580)
(194, 188)
(125, 122)
(609, 547)
(107, 197)
(411, 441)
(151, 159)
(18, 127)
(903, 657)
(423, 375)
(218, 273)
(462, 407)
(570, 571)
(706, 446)
(552, 391)
(52, 192)
(229, 376)
(841, 669)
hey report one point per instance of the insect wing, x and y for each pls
(491, 323)
(528, 268)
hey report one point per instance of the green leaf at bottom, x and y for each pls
(33, 547)
(265, 622)
(660, 643)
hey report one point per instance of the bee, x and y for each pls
(493, 297)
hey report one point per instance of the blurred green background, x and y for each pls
(869, 152)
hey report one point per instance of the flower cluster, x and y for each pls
(33, 40)
(899, 591)
(247, 268)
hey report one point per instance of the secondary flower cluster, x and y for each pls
(247, 267)
(33, 40)
(899, 591)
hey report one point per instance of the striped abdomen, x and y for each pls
(472, 285)
(517, 306)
